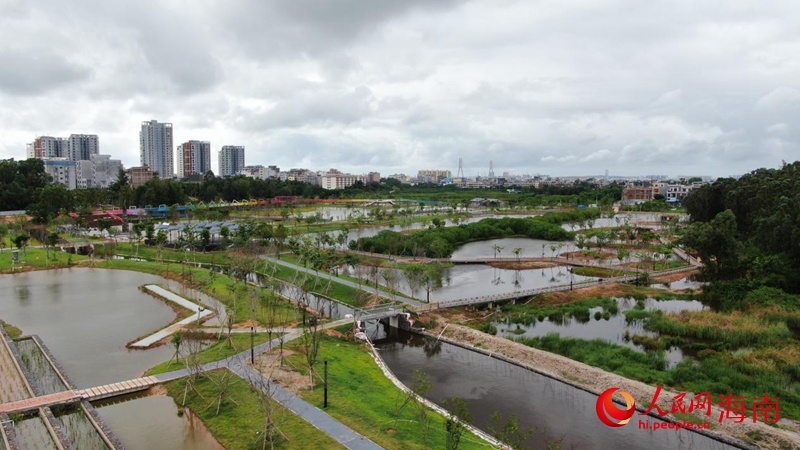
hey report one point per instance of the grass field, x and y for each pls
(34, 258)
(240, 422)
(361, 397)
(221, 349)
(249, 301)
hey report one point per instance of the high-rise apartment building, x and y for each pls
(194, 157)
(155, 147)
(77, 147)
(231, 160)
(81, 147)
(45, 147)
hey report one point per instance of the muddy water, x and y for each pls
(556, 409)
(157, 425)
(86, 317)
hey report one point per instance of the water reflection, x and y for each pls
(469, 280)
(613, 328)
(556, 409)
(153, 422)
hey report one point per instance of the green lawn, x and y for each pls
(219, 350)
(240, 422)
(361, 397)
(249, 301)
(35, 258)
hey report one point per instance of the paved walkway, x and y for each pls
(238, 364)
(313, 415)
(335, 279)
(203, 311)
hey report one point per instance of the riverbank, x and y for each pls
(597, 380)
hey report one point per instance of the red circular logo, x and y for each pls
(609, 413)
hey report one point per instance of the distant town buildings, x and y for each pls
(646, 191)
(194, 158)
(81, 147)
(334, 179)
(260, 172)
(433, 176)
(155, 147)
(138, 176)
(231, 160)
(63, 171)
(99, 171)
(77, 147)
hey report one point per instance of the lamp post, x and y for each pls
(252, 341)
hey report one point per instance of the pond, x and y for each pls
(157, 426)
(530, 248)
(470, 280)
(86, 317)
(614, 328)
(556, 409)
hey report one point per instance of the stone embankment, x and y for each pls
(596, 380)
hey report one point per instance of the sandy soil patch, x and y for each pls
(269, 364)
(598, 380)
(673, 277)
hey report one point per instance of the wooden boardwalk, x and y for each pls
(91, 394)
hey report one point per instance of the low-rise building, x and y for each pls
(62, 171)
(140, 175)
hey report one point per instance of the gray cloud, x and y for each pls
(549, 87)
(36, 71)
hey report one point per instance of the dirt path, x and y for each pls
(598, 380)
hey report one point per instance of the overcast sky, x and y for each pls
(566, 87)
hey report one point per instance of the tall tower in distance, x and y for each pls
(81, 147)
(460, 173)
(231, 160)
(155, 147)
(194, 158)
(491, 169)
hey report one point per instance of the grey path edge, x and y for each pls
(319, 419)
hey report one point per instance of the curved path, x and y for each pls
(352, 284)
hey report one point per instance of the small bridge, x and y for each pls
(91, 394)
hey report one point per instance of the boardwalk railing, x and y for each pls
(566, 287)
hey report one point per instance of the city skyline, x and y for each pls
(551, 88)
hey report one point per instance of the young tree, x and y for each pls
(497, 249)
(509, 430)
(460, 415)
(161, 241)
(21, 242)
(51, 240)
(176, 341)
(516, 252)
(414, 274)
(420, 386)
(432, 279)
